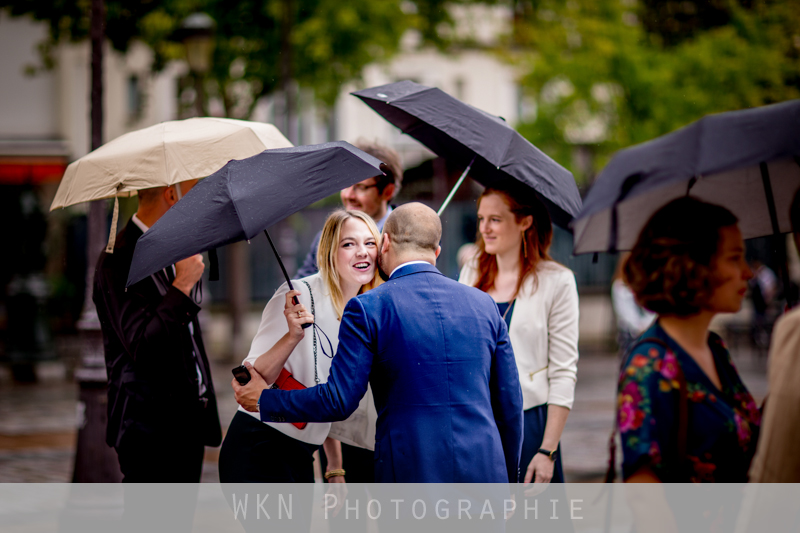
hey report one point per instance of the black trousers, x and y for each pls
(175, 458)
(255, 453)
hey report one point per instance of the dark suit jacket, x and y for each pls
(309, 266)
(152, 375)
(443, 375)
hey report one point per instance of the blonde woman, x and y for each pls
(255, 451)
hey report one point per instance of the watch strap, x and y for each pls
(551, 454)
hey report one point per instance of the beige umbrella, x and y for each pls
(160, 156)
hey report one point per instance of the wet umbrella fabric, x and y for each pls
(245, 197)
(747, 161)
(460, 132)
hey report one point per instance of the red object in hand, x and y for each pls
(286, 381)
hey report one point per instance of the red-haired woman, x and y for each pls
(538, 299)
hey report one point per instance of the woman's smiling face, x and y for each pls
(357, 253)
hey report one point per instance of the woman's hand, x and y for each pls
(540, 469)
(540, 472)
(296, 316)
(248, 395)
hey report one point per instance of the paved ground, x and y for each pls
(37, 422)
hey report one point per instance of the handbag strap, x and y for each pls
(683, 413)
(315, 328)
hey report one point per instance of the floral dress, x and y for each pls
(722, 424)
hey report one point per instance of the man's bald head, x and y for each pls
(414, 228)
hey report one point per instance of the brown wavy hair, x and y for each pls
(671, 267)
(538, 238)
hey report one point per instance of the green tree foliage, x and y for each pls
(601, 81)
(331, 41)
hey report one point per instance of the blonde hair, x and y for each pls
(326, 255)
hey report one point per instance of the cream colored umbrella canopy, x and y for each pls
(160, 156)
(163, 155)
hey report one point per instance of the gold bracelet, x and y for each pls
(333, 473)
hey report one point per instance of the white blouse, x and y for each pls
(544, 334)
(359, 428)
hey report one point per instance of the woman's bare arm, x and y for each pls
(270, 363)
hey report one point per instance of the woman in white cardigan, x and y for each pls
(538, 299)
(256, 451)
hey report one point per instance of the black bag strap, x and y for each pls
(315, 329)
(683, 413)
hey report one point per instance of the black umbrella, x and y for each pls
(746, 161)
(247, 196)
(471, 138)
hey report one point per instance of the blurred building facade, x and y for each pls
(44, 126)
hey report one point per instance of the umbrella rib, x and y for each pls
(508, 146)
(164, 152)
(233, 202)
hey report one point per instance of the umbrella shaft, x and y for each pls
(455, 188)
(280, 262)
(295, 301)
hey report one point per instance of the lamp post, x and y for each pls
(95, 462)
(197, 35)
(197, 32)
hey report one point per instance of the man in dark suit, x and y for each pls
(439, 360)
(162, 411)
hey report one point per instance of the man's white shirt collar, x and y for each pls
(409, 263)
(141, 225)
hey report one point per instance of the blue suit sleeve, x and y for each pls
(506, 396)
(347, 382)
(309, 266)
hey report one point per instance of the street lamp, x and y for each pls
(196, 33)
(95, 462)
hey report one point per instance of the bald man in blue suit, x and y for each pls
(439, 360)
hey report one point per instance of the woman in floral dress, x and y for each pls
(687, 266)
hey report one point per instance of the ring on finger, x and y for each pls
(299, 314)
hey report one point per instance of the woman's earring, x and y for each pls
(524, 246)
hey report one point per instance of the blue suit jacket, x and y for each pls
(446, 388)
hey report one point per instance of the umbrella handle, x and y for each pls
(295, 301)
(455, 187)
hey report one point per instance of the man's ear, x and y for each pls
(438, 251)
(388, 192)
(170, 197)
(385, 243)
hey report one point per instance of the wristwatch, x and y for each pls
(548, 453)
